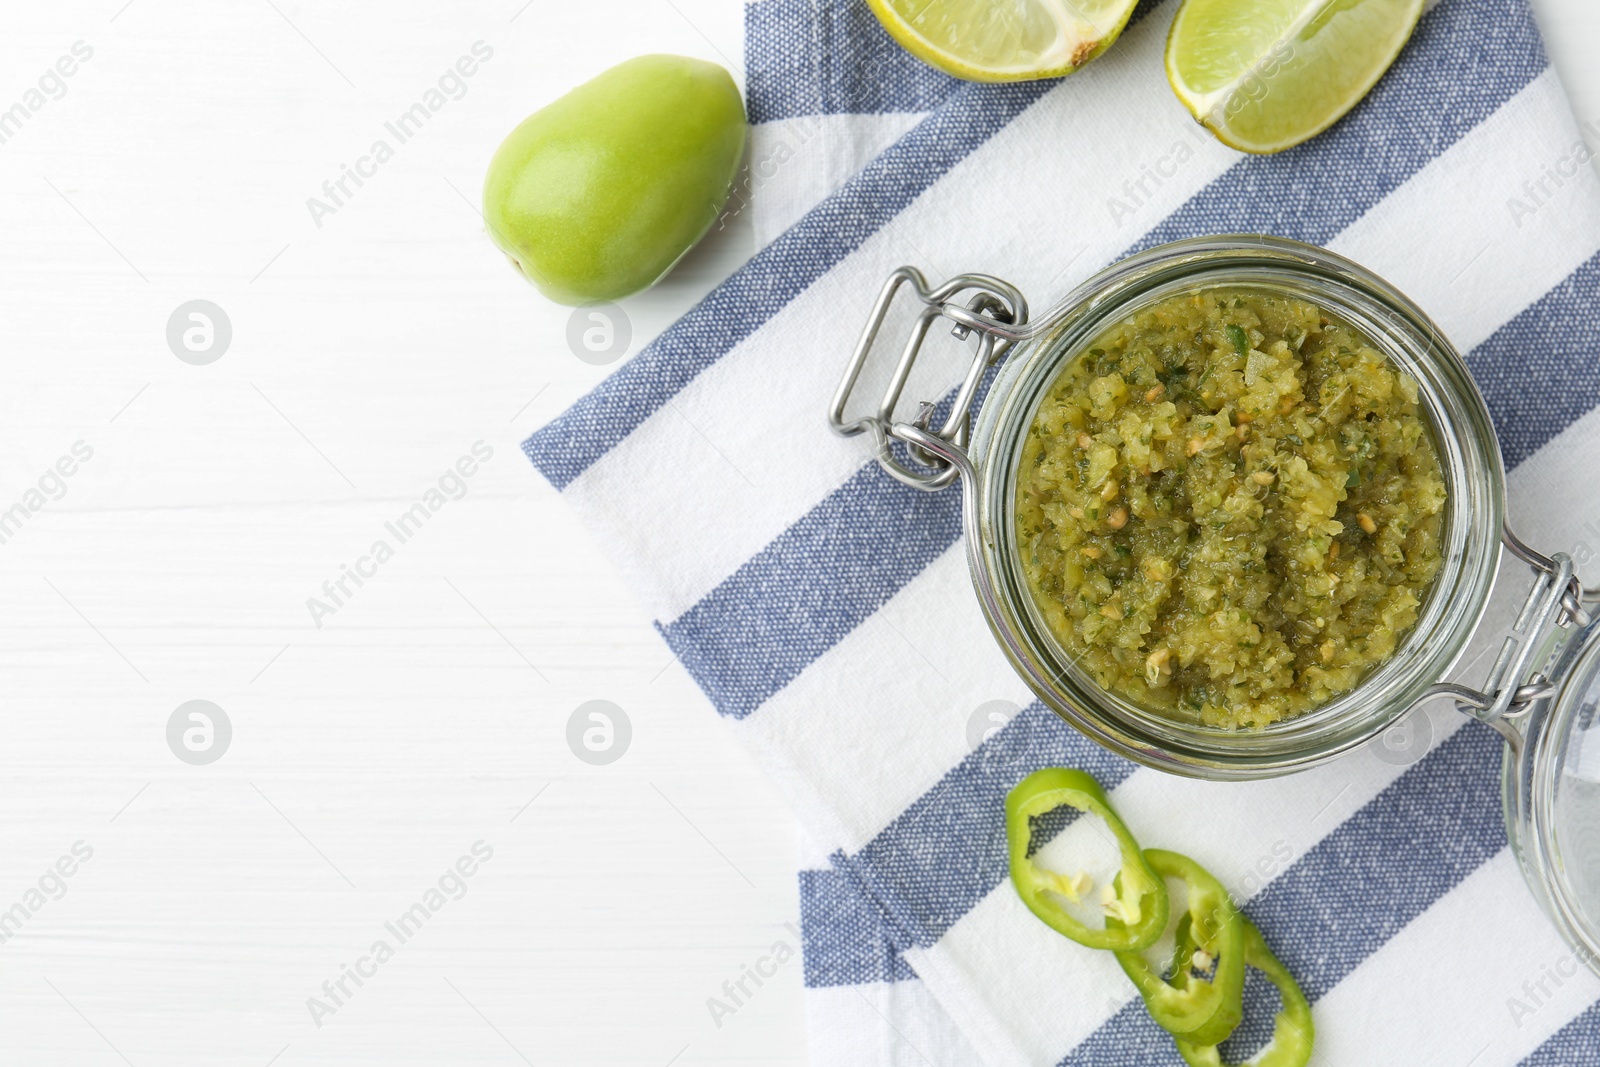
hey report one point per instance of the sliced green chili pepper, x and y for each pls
(1292, 1031)
(1209, 938)
(1136, 900)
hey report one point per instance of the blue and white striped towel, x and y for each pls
(826, 612)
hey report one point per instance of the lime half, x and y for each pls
(1264, 75)
(1004, 40)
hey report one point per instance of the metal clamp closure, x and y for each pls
(1573, 595)
(1554, 606)
(995, 311)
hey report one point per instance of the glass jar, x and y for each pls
(1541, 693)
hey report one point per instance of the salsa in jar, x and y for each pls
(1229, 507)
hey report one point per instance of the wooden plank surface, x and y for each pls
(429, 711)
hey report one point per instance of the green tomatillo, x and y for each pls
(598, 194)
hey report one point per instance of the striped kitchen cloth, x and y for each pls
(826, 612)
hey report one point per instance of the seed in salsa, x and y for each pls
(1229, 507)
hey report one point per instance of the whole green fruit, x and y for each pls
(597, 195)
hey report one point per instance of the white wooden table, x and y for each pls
(371, 348)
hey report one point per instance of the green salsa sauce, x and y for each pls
(1229, 507)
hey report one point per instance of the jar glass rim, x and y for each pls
(1458, 420)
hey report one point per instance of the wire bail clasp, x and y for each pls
(1555, 606)
(995, 311)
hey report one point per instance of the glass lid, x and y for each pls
(1565, 795)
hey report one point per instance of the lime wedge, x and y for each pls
(1264, 75)
(1004, 40)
